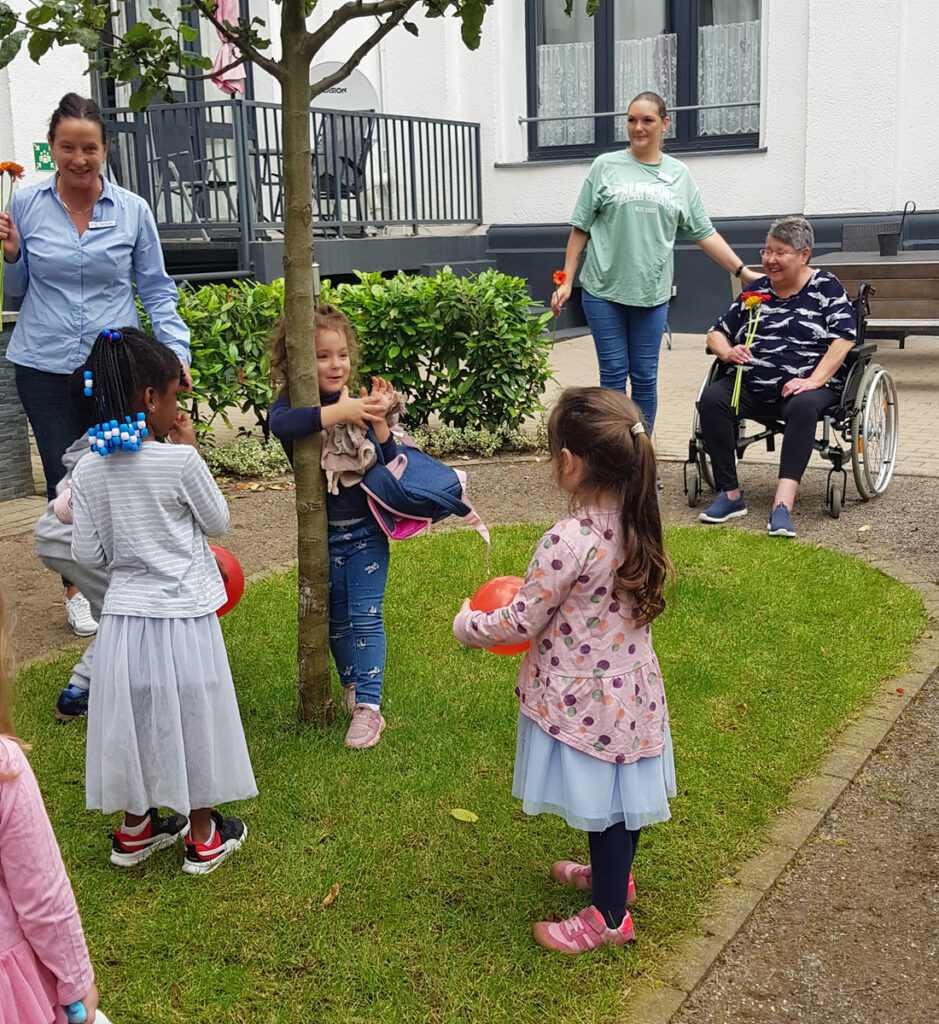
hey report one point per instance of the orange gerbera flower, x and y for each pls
(559, 277)
(9, 167)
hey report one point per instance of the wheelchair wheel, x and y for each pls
(703, 459)
(835, 493)
(874, 432)
(692, 484)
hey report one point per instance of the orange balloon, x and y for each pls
(499, 592)
(235, 586)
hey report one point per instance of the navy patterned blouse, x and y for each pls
(792, 334)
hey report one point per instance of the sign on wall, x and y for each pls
(43, 156)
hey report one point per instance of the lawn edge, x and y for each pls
(687, 965)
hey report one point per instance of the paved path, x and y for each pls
(915, 370)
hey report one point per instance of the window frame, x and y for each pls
(682, 19)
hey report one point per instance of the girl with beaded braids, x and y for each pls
(593, 740)
(163, 723)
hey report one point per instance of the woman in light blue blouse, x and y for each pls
(75, 248)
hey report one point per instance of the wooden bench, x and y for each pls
(906, 289)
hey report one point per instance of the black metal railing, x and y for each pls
(213, 170)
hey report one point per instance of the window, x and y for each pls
(694, 53)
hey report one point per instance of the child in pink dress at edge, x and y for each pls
(593, 740)
(44, 963)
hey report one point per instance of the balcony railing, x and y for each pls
(212, 170)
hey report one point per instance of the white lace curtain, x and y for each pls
(644, 65)
(565, 83)
(729, 72)
(565, 86)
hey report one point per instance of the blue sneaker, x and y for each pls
(780, 522)
(72, 704)
(724, 508)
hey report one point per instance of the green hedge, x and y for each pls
(469, 349)
(466, 348)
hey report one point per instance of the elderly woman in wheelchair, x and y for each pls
(792, 374)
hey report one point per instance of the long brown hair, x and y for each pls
(597, 425)
(6, 724)
(326, 317)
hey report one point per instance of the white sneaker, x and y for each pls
(78, 611)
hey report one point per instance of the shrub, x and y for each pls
(247, 456)
(468, 349)
(444, 442)
(230, 366)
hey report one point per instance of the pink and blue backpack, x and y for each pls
(414, 490)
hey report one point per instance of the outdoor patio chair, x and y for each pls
(340, 161)
(201, 184)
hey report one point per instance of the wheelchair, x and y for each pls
(867, 418)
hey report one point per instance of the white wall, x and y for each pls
(29, 93)
(850, 119)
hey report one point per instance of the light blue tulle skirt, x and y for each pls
(590, 794)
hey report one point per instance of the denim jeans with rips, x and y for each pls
(358, 573)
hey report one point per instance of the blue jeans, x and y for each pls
(50, 408)
(358, 572)
(628, 339)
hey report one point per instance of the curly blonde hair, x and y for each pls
(326, 317)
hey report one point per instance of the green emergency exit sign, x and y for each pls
(43, 156)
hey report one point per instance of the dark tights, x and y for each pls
(611, 859)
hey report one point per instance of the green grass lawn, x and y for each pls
(766, 647)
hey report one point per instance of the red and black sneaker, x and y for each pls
(158, 833)
(203, 858)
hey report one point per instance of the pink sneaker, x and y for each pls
(348, 697)
(583, 931)
(567, 871)
(365, 729)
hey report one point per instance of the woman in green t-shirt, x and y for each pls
(633, 205)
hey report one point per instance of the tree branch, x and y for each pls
(376, 37)
(236, 36)
(351, 11)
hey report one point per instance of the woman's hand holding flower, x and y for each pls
(10, 238)
(739, 354)
(562, 292)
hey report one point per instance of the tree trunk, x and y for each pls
(316, 703)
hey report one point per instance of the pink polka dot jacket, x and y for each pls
(591, 678)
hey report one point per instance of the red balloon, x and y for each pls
(235, 586)
(499, 592)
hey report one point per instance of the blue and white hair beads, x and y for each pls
(112, 435)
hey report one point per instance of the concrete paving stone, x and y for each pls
(691, 959)
(923, 659)
(648, 1005)
(731, 908)
(762, 869)
(845, 761)
(865, 732)
(887, 704)
(817, 793)
(793, 825)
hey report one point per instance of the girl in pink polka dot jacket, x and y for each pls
(593, 738)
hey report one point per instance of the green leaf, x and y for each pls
(188, 32)
(463, 815)
(39, 43)
(87, 38)
(10, 46)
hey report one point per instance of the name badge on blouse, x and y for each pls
(92, 224)
(667, 178)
